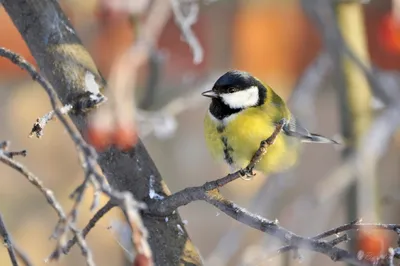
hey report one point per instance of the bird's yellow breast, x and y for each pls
(236, 141)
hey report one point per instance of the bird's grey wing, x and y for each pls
(294, 129)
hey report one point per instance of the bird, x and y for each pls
(245, 111)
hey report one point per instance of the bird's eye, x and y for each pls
(232, 90)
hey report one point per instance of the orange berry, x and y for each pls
(125, 137)
(389, 33)
(373, 243)
(141, 260)
(99, 138)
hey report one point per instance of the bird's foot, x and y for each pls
(283, 122)
(247, 174)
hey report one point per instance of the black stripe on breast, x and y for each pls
(227, 151)
(220, 128)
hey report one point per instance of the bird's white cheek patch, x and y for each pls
(241, 99)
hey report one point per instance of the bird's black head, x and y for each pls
(233, 92)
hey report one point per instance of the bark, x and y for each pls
(64, 62)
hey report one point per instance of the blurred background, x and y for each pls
(274, 40)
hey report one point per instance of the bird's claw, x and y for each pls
(247, 174)
(283, 122)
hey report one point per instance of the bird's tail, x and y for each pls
(315, 138)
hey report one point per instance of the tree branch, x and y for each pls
(273, 229)
(13, 250)
(7, 242)
(41, 122)
(185, 24)
(355, 225)
(63, 223)
(92, 223)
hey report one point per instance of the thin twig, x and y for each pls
(22, 256)
(355, 225)
(34, 180)
(185, 24)
(63, 223)
(273, 229)
(10, 154)
(334, 242)
(7, 242)
(40, 123)
(338, 230)
(390, 257)
(92, 223)
(332, 35)
(340, 239)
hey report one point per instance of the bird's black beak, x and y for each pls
(210, 94)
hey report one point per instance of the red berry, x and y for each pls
(389, 33)
(373, 243)
(99, 138)
(125, 137)
(141, 260)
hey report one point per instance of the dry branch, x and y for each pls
(7, 242)
(355, 225)
(63, 223)
(185, 23)
(13, 250)
(41, 122)
(92, 223)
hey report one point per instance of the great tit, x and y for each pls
(242, 113)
